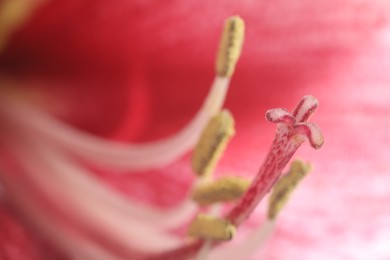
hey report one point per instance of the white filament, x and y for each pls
(255, 241)
(76, 245)
(91, 212)
(119, 155)
(68, 172)
(204, 251)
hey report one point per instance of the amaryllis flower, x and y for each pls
(102, 100)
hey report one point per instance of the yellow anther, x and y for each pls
(230, 46)
(13, 13)
(212, 143)
(285, 186)
(207, 227)
(225, 189)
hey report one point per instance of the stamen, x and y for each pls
(208, 227)
(212, 143)
(83, 181)
(12, 15)
(117, 155)
(230, 46)
(204, 251)
(86, 210)
(208, 151)
(225, 189)
(122, 156)
(285, 186)
(254, 242)
(66, 238)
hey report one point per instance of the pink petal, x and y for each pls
(154, 65)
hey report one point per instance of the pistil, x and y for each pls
(292, 131)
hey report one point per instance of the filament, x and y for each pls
(88, 210)
(68, 240)
(114, 154)
(254, 242)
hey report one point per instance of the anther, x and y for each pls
(225, 189)
(13, 13)
(212, 143)
(285, 186)
(208, 227)
(230, 46)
